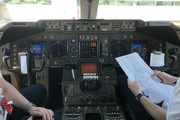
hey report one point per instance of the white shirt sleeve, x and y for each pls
(0, 74)
(173, 111)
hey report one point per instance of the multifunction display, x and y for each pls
(37, 48)
(140, 47)
(88, 49)
(58, 49)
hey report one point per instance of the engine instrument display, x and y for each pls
(139, 47)
(88, 49)
(107, 67)
(37, 47)
(88, 68)
(58, 49)
(118, 48)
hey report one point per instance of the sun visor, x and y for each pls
(161, 30)
(18, 30)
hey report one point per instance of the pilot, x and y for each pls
(145, 109)
(25, 101)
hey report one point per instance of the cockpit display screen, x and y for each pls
(93, 116)
(88, 50)
(107, 67)
(88, 68)
(139, 47)
(58, 49)
(37, 47)
(118, 48)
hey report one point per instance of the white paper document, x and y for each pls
(136, 69)
(157, 60)
(158, 92)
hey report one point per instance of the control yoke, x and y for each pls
(173, 51)
(26, 62)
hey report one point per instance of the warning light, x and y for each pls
(89, 102)
(47, 63)
(93, 44)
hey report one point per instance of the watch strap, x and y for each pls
(174, 83)
(139, 96)
(28, 106)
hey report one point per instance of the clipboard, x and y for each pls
(157, 59)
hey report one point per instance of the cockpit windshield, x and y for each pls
(34, 10)
(139, 9)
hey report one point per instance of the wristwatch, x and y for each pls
(28, 106)
(174, 83)
(139, 96)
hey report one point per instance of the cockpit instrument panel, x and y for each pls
(37, 48)
(58, 49)
(118, 48)
(88, 50)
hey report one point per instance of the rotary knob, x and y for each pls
(40, 76)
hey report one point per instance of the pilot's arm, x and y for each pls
(21, 102)
(154, 110)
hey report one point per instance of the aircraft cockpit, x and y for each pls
(75, 59)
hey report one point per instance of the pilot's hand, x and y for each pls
(35, 118)
(31, 118)
(166, 78)
(40, 111)
(134, 86)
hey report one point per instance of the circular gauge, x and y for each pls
(14, 54)
(73, 58)
(47, 23)
(22, 45)
(73, 40)
(14, 50)
(74, 49)
(14, 63)
(45, 36)
(14, 45)
(52, 36)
